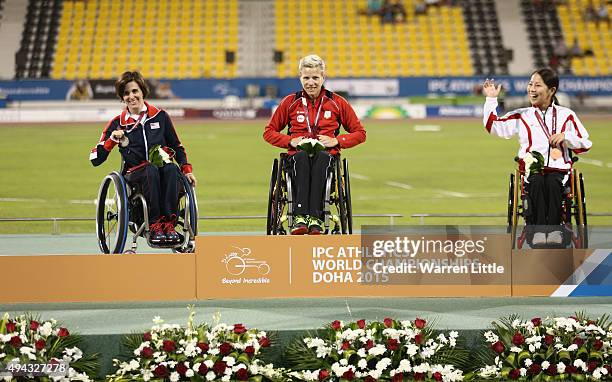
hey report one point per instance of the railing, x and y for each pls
(423, 216)
(56, 221)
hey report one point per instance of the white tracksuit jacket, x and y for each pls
(532, 134)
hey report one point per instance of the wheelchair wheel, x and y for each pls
(347, 188)
(341, 199)
(270, 217)
(514, 186)
(580, 211)
(187, 216)
(112, 214)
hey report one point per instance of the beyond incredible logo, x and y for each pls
(238, 261)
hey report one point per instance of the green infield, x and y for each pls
(457, 168)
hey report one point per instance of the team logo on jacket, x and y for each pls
(154, 125)
(327, 114)
(300, 118)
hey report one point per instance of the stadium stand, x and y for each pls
(544, 29)
(176, 39)
(590, 34)
(488, 53)
(34, 58)
(355, 44)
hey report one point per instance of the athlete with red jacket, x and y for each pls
(138, 128)
(318, 113)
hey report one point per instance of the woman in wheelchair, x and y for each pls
(549, 129)
(314, 112)
(142, 132)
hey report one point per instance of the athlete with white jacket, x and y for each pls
(552, 130)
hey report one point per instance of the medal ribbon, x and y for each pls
(543, 123)
(316, 122)
(142, 114)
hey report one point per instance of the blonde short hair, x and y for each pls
(311, 61)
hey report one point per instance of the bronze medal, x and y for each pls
(555, 153)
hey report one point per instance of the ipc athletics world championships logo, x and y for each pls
(237, 262)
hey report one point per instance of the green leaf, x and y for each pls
(596, 355)
(522, 356)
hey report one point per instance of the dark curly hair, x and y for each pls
(128, 77)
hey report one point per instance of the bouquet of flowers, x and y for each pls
(31, 348)
(159, 156)
(560, 348)
(311, 146)
(169, 352)
(534, 163)
(390, 350)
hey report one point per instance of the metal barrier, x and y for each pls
(423, 216)
(56, 221)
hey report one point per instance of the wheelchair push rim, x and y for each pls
(112, 214)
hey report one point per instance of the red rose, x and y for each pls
(203, 346)
(419, 323)
(34, 325)
(369, 378)
(597, 345)
(147, 336)
(535, 369)
(388, 322)
(169, 346)
(437, 376)
(63, 332)
(348, 375)
(419, 376)
(335, 325)
(361, 324)
(160, 371)
(570, 369)
(250, 350)
(592, 366)
(498, 347)
(369, 344)
(10, 327)
(346, 345)
(514, 374)
(181, 368)
(323, 374)
(203, 369)
(239, 329)
(518, 339)
(15, 341)
(536, 321)
(549, 340)
(219, 367)
(242, 375)
(225, 348)
(264, 342)
(398, 377)
(591, 322)
(418, 339)
(146, 352)
(552, 370)
(578, 341)
(392, 344)
(40, 344)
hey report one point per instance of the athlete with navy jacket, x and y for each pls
(317, 113)
(550, 129)
(138, 128)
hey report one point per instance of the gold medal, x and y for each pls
(555, 153)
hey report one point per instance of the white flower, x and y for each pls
(174, 376)
(560, 368)
(491, 337)
(383, 364)
(412, 349)
(344, 362)
(404, 366)
(362, 353)
(377, 350)
(572, 347)
(157, 320)
(545, 365)
(528, 362)
(523, 371)
(515, 349)
(45, 329)
(230, 361)
(210, 376)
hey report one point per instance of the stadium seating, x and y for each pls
(590, 35)
(355, 44)
(168, 39)
(484, 34)
(544, 30)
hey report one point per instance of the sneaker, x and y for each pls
(555, 237)
(157, 235)
(539, 238)
(300, 225)
(171, 235)
(315, 226)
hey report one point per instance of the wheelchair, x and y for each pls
(338, 218)
(121, 207)
(573, 210)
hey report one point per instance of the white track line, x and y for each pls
(359, 176)
(400, 185)
(452, 193)
(594, 162)
(22, 200)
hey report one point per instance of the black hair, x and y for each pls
(551, 80)
(128, 77)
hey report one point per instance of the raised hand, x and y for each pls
(489, 89)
